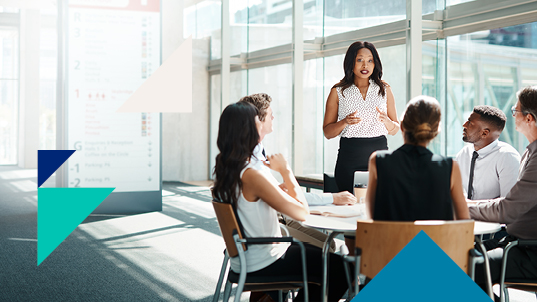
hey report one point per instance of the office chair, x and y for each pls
(236, 245)
(521, 284)
(377, 242)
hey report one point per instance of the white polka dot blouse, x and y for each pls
(352, 100)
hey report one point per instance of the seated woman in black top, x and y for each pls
(411, 183)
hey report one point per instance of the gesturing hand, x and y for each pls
(383, 117)
(277, 163)
(352, 119)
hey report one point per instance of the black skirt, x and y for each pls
(353, 155)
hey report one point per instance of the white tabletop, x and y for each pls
(481, 227)
(348, 225)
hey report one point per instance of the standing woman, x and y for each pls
(361, 109)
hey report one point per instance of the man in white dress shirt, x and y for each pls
(496, 163)
(262, 102)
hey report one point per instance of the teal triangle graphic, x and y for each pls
(421, 271)
(60, 211)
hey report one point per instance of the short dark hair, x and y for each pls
(527, 97)
(491, 115)
(261, 102)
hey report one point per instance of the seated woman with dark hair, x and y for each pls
(257, 197)
(411, 183)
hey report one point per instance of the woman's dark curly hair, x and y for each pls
(237, 138)
(350, 61)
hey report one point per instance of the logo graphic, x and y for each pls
(421, 271)
(60, 210)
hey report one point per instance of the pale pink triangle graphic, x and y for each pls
(169, 88)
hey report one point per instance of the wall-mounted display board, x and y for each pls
(112, 47)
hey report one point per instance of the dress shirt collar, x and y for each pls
(258, 152)
(532, 148)
(483, 152)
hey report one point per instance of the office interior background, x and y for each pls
(462, 52)
(468, 53)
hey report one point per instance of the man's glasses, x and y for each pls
(514, 111)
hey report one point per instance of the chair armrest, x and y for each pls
(477, 256)
(524, 242)
(344, 251)
(510, 245)
(266, 240)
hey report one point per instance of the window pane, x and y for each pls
(393, 60)
(276, 81)
(202, 20)
(433, 77)
(345, 15)
(269, 24)
(238, 21)
(9, 97)
(8, 121)
(9, 41)
(453, 2)
(214, 115)
(489, 67)
(313, 19)
(333, 73)
(313, 109)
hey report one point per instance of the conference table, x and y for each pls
(347, 225)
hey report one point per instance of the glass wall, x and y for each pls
(276, 81)
(488, 68)
(346, 15)
(312, 114)
(202, 20)
(333, 73)
(9, 94)
(461, 71)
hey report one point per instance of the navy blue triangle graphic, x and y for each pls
(48, 161)
(421, 271)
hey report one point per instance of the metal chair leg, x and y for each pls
(242, 276)
(227, 291)
(221, 279)
(506, 294)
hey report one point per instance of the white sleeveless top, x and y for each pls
(352, 100)
(259, 220)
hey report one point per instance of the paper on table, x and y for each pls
(338, 211)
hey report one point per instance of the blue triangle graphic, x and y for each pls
(48, 161)
(421, 271)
